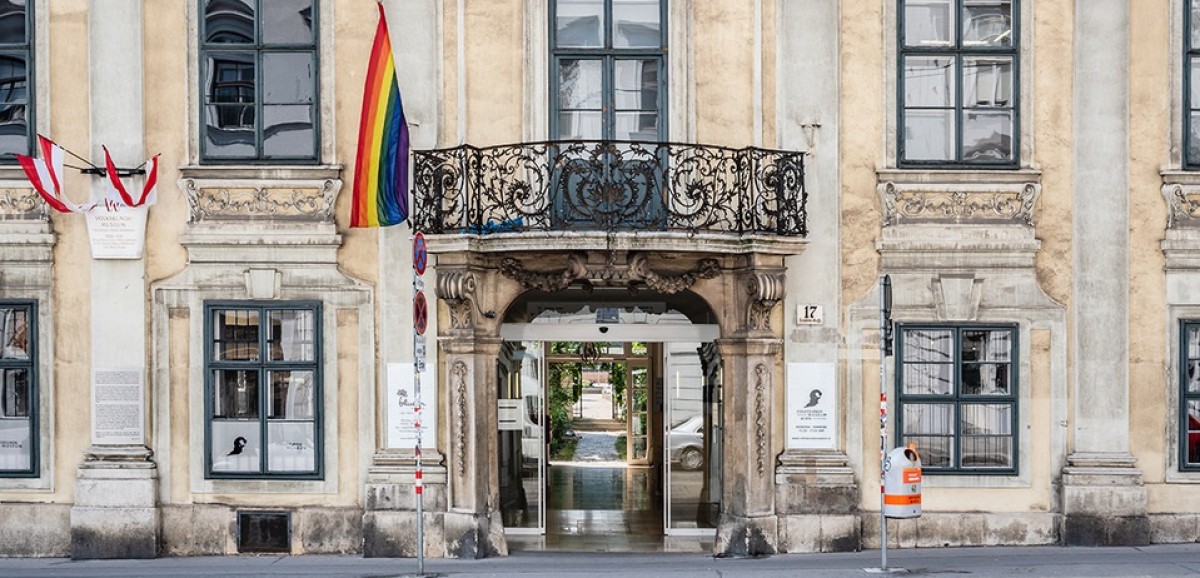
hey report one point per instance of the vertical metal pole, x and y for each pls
(420, 485)
(884, 289)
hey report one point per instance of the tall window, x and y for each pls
(1191, 85)
(958, 396)
(263, 390)
(608, 76)
(18, 390)
(258, 65)
(958, 83)
(1189, 399)
(16, 68)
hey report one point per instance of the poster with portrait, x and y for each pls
(811, 406)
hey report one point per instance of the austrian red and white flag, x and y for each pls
(149, 194)
(46, 176)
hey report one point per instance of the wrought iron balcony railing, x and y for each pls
(609, 186)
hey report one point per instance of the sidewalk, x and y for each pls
(1156, 561)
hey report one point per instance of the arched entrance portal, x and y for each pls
(610, 421)
(733, 286)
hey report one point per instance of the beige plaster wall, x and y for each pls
(723, 70)
(72, 272)
(1150, 417)
(354, 29)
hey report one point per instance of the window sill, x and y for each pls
(958, 196)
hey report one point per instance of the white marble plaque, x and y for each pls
(402, 407)
(811, 406)
(118, 232)
(117, 406)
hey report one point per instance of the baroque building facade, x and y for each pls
(723, 180)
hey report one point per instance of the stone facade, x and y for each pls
(1088, 245)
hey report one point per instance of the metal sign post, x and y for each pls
(420, 321)
(885, 350)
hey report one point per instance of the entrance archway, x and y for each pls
(610, 422)
(735, 291)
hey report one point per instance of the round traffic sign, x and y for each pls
(420, 313)
(420, 254)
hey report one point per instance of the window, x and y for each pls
(18, 390)
(957, 396)
(263, 390)
(258, 65)
(608, 79)
(16, 68)
(1189, 399)
(958, 83)
(1191, 85)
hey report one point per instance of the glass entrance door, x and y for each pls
(691, 432)
(637, 403)
(523, 419)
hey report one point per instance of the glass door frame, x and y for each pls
(543, 366)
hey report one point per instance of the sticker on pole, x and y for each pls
(420, 313)
(420, 254)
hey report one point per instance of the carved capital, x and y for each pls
(765, 290)
(457, 289)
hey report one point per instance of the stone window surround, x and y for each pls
(326, 149)
(26, 231)
(41, 294)
(1023, 22)
(1181, 191)
(1182, 249)
(864, 319)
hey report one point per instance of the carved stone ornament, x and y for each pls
(913, 203)
(458, 384)
(22, 204)
(636, 271)
(312, 201)
(766, 290)
(457, 289)
(760, 418)
(1183, 203)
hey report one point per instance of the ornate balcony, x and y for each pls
(610, 187)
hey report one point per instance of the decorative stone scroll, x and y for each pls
(23, 204)
(1183, 205)
(457, 289)
(964, 204)
(306, 201)
(636, 271)
(766, 290)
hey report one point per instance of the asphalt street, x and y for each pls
(1161, 560)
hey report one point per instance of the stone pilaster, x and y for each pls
(473, 526)
(116, 496)
(1104, 501)
(748, 524)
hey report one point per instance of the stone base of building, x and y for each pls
(211, 529)
(35, 530)
(816, 498)
(949, 529)
(1174, 528)
(393, 534)
(116, 512)
(472, 536)
(1104, 501)
(820, 533)
(746, 537)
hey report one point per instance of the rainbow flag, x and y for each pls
(381, 170)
